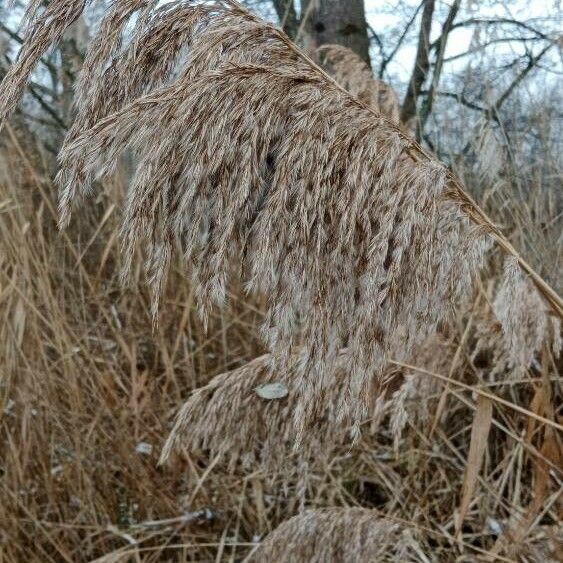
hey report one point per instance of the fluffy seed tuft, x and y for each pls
(353, 74)
(343, 535)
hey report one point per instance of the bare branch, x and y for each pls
(459, 98)
(15, 37)
(34, 90)
(533, 61)
(441, 51)
(483, 46)
(390, 57)
(501, 21)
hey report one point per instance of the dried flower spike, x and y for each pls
(339, 535)
(353, 74)
(250, 155)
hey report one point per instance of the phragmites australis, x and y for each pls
(353, 74)
(252, 160)
(516, 336)
(261, 429)
(44, 27)
(490, 154)
(339, 535)
(234, 418)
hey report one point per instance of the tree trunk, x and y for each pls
(287, 16)
(421, 63)
(342, 22)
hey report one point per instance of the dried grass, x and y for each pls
(250, 156)
(84, 382)
(254, 431)
(516, 336)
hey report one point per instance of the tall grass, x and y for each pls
(85, 382)
(459, 439)
(252, 161)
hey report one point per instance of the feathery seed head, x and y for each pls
(353, 74)
(339, 535)
(248, 155)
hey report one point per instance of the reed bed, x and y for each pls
(252, 161)
(432, 436)
(89, 396)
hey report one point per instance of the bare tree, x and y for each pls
(421, 63)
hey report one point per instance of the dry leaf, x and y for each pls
(479, 434)
(272, 391)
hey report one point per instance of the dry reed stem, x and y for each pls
(478, 446)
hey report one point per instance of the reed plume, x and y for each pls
(514, 336)
(490, 154)
(339, 535)
(353, 74)
(253, 162)
(229, 418)
(43, 28)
